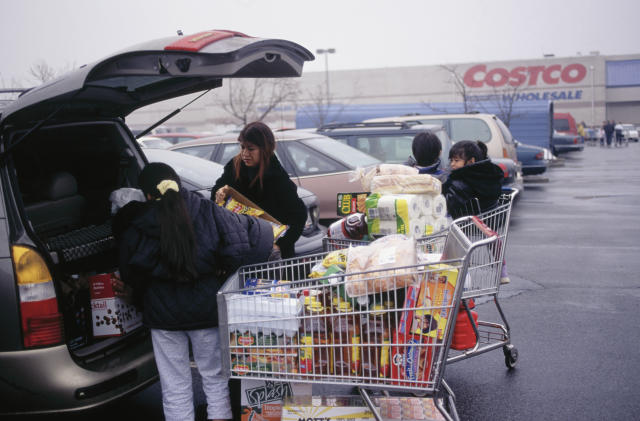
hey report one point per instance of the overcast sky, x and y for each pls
(365, 33)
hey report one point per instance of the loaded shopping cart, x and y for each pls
(485, 335)
(383, 326)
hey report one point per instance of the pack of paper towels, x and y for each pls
(416, 215)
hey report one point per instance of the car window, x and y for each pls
(345, 154)
(310, 162)
(393, 149)
(469, 129)
(229, 150)
(506, 133)
(201, 151)
(561, 124)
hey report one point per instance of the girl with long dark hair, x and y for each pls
(256, 173)
(173, 251)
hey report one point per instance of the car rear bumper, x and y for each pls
(534, 169)
(311, 244)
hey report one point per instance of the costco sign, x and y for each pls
(479, 76)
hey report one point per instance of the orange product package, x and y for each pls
(435, 302)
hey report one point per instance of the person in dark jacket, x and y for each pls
(173, 252)
(426, 149)
(474, 184)
(257, 174)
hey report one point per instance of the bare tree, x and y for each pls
(42, 72)
(322, 109)
(504, 100)
(460, 87)
(253, 100)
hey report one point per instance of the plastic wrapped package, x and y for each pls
(365, 175)
(405, 183)
(384, 259)
(124, 195)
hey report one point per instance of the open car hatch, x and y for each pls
(155, 71)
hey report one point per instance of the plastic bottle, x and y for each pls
(353, 227)
(346, 340)
(377, 334)
(314, 359)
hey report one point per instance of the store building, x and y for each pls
(591, 87)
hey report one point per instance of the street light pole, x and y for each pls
(593, 96)
(326, 52)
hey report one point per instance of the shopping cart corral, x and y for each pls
(482, 283)
(383, 330)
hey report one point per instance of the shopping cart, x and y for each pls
(489, 335)
(384, 329)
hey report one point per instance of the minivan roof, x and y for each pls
(157, 70)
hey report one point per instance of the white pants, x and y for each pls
(171, 350)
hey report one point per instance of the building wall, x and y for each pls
(579, 85)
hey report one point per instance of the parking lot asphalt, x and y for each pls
(573, 303)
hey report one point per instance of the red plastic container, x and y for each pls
(463, 335)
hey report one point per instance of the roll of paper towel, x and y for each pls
(440, 223)
(439, 207)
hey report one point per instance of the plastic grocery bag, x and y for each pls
(124, 195)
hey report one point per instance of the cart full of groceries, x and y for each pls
(377, 316)
(418, 204)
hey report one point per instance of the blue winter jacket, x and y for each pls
(224, 242)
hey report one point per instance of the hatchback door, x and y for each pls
(155, 71)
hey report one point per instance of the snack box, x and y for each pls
(263, 400)
(278, 228)
(326, 409)
(411, 359)
(110, 315)
(435, 291)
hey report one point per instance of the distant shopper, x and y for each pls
(608, 128)
(619, 135)
(426, 149)
(256, 173)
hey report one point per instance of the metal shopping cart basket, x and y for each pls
(489, 335)
(386, 329)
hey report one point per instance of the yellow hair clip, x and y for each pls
(167, 185)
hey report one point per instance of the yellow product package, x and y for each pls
(236, 207)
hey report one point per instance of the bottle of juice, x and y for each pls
(346, 340)
(376, 340)
(314, 328)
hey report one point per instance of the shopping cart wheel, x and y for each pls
(510, 355)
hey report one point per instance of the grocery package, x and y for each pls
(345, 328)
(409, 408)
(124, 195)
(353, 227)
(76, 307)
(263, 351)
(411, 360)
(411, 214)
(325, 408)
(376, 340)
(110, 315)
(238, 203)
(349, 203)
(277, 288)
(262, 400)
(405, 183)
(365, 175)
(386, 257)
(435, 291)
(315, 334)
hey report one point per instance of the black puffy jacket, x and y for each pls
(482, 180)
(224, 241)
(279, 198)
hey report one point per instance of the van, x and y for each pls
(65, 147)
(564, 123)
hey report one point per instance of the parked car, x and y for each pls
(65, 148)
(154, 142)
(200, 175)
(317, 163)
(564, 123)
(630, 132)
(177, 137)
(534, 159)
(561, 143)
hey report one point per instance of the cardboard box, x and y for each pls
(325, 408)
(349, 203)
(264, 399)
(110, 315)
(239, 197)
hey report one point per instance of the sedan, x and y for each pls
(178, 137)
(534, 159)
(315, 162)
(154, 142)
(200, 175)
(561, 142)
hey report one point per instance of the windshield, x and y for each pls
(351, 157)
(561, 124)
(197, 171)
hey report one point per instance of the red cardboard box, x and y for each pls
(410, 359)
(110, 315)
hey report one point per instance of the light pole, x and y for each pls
(326, 52)
(593, 96)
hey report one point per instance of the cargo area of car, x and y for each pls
(63, 177)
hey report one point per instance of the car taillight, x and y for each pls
(504, 170)
(540, 155)
(42, 323)
(575, 140)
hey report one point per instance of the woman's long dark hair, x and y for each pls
(260, 135)
(177, 239)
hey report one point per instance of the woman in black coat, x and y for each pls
(257, 174)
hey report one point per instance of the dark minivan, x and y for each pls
(64, 148)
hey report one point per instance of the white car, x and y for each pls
(153, 142)
(630, 132)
